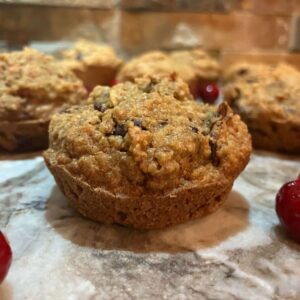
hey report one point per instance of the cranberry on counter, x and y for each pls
(288, 207)
(5, 256)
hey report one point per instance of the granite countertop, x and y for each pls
(239, 252)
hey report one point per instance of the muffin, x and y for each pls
(268, 100)
(194, 66)
(144, 154)
(33, 86)
(94, 64)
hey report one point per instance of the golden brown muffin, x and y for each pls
(94, 64)
(268, 100)
(243, 71)
(145, 155)
(193, 66)
(33, 86)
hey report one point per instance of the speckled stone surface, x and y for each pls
(239, 252)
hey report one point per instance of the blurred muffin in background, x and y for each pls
(33, 86)
(93, 63)
(195, 67)
(268, 100)
(243, 71)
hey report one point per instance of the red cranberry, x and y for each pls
(114, 82)
(288, 207)
(5, 256)
(209, 93)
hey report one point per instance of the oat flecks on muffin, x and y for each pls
(33, 86)
(93, 63)
(191, 65)
(145, 155)
(268, 100)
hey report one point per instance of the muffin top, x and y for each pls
(86, 53)
(243, 71)
(188, 64)
(263, 91)
(148, 137)
(197, 62)
(34, 85)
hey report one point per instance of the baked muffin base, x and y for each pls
(24, 135)
(146, 212)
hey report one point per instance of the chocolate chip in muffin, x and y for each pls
(164, 122)
(100, 106)
(120, 130)
(242, 72)
(137, 123)
(195, 129)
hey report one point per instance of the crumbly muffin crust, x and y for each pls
(32, 87)
(267, 98)
(192, 66)
(141, 150)
(243, 71)
(94, 64)
(195, 63)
